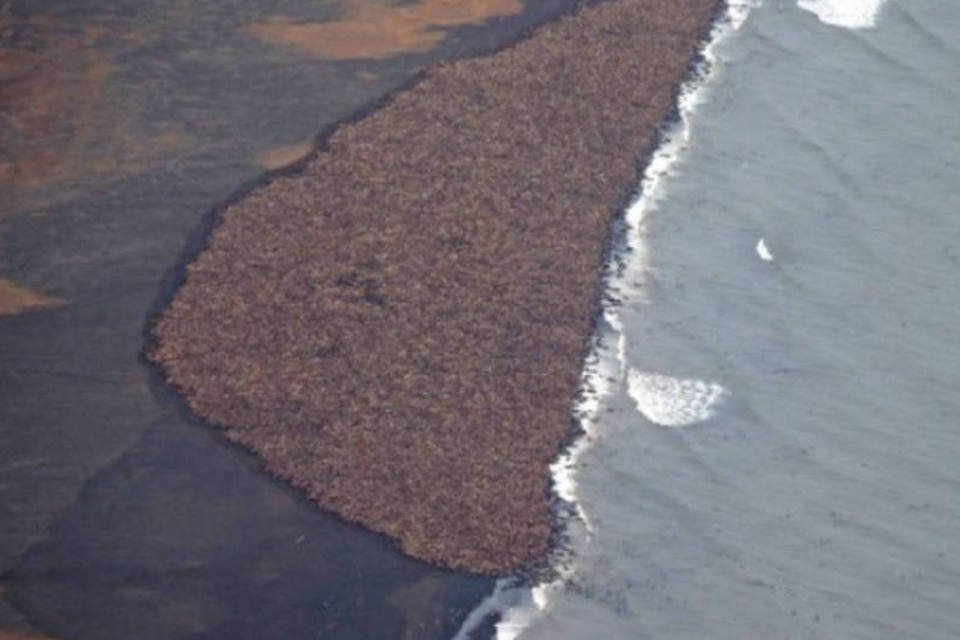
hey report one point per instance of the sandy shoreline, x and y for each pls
(399, 330)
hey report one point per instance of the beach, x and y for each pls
(481, 319)
(124, 133)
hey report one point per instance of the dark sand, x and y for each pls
(399, 330)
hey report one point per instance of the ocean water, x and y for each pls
(773, 408)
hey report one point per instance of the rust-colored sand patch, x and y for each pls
(14, 635)
(15, 299)
(282, 156)
(59, 119)
(371, 29)
(52, 80)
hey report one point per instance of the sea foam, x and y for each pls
(764, 251)
(674, 402)
(851, 14)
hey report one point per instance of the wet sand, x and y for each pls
(398, 331)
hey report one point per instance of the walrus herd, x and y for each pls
(398, 329)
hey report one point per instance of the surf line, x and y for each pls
(517, 604)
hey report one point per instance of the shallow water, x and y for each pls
(777, 452)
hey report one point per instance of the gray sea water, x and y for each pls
(777, 454)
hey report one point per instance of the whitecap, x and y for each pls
(674, 402)
(764, 251)
(851, 14)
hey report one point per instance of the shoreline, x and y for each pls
(215, 397)
(516, 604)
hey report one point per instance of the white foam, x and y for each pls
(512, 601)
(674, 402)
(850, 14)
(606, 367)
(764, 251)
